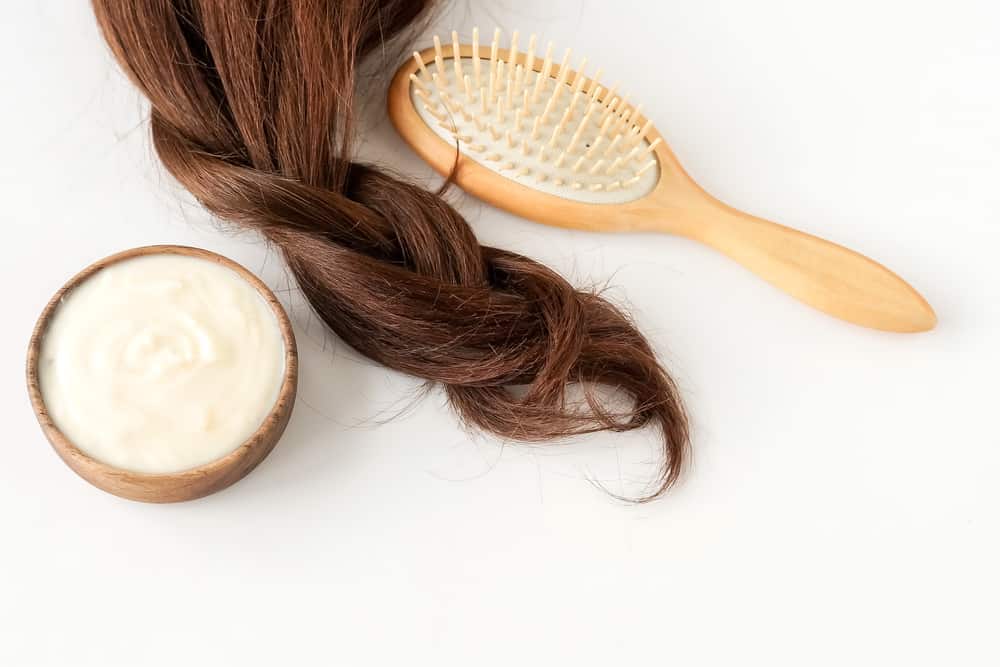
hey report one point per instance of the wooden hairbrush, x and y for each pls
(550, 144)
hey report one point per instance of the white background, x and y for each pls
(843, 506)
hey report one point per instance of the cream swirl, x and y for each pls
(161, 363)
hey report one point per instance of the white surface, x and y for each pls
(843, 507)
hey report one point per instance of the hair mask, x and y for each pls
(161, 363)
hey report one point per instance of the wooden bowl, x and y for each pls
(188, 484)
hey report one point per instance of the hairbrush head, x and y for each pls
(535, 122)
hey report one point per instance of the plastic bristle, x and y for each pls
(449, 104)
(424, 94)
(438, 86)
(508, 98)
(574, 101)
(494, 49)
(633, 118)
(573, 142)
(613, 146)
(421, 66)
(605, 126)
(620, 112)
(499, 78)
(611, 112)
(623, 123)
(549, 106)
(536, 128)
(560, 126)
(456, 56)
(529, 62)
(652, 146)
(643, 131)
(439, 61)
(611, 95)
(476, 67)
(440, 115)
(649, 165)
(544, 75)
(592, 151)
(421, 86)
(632, 154)
(563, 71)
(622, 105)
(580, 77)
(595, 87)
(583, 126)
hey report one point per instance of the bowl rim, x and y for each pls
(185, 484)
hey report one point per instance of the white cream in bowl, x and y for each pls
(161, 363)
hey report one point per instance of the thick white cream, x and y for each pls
(161, 363)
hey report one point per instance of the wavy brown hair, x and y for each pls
(252, 104)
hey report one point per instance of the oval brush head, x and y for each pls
(550, 129)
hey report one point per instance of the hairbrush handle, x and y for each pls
(829, 277)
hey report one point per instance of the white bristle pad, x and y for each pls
(562, 135)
